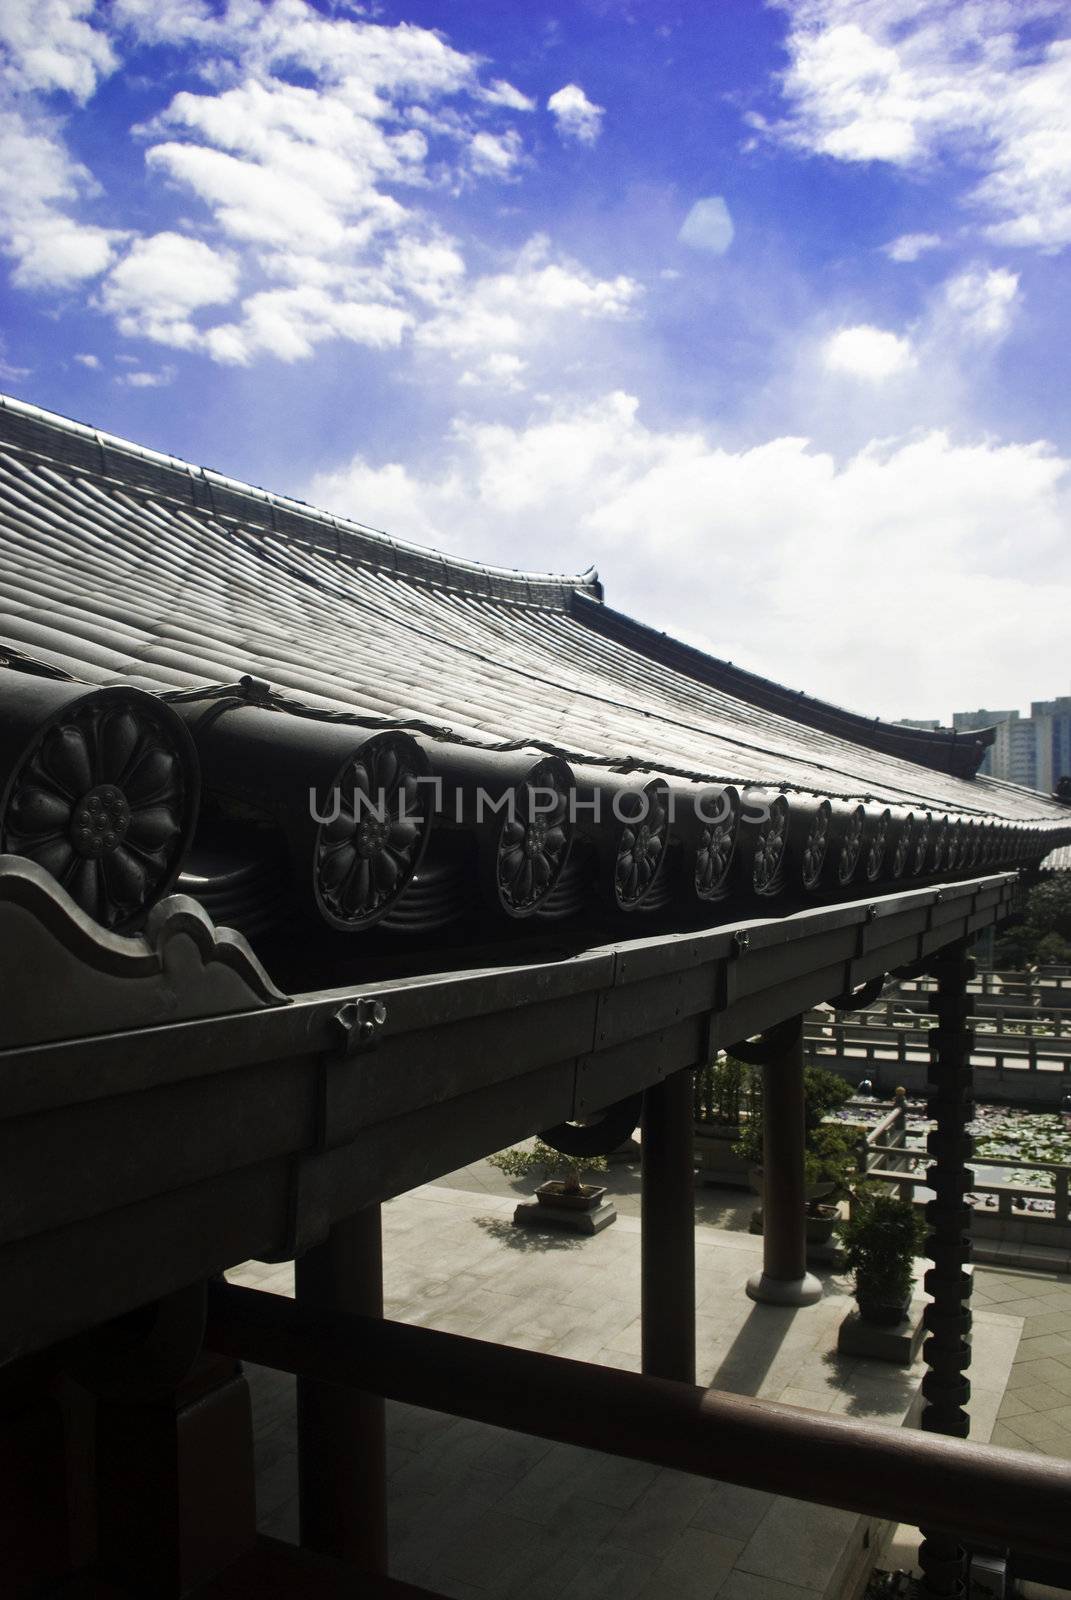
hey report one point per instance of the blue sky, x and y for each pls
(759, 308)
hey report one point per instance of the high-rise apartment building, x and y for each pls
(1052, 720)
(1034, 751)
(1015, 753)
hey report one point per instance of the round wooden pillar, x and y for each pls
(784, 1279)
(667, 1304)
(342, 1433)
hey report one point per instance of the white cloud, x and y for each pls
(500, 370)
(866, 352)
(50, 46)
(576, 116)
(967, 80)
(495, 154)
(429, 268)
(176, 22)
(90, 361)
(306, 154)
(48, 49)
(740, 550)
(982, 302)
(274, 162)
(290, 323)
(142, 379)
(501, 93)
(521, 307)
(38, 180)
(302, 180)
(708, 226)
(910, 246)
(153, 291)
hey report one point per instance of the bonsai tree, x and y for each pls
(829, 1149)
(881, 1239)
(521, 1162)
(829, 1160)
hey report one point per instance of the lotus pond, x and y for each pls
(999, 1131)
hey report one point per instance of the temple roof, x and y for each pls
(119, 565)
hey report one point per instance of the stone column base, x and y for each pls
(784, 1291)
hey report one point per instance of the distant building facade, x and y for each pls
(1033, 751)
(1052, 719)
(1015, 753)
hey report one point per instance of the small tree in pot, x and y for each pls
(829, 1147)
(564, 1174)
(881, 1239)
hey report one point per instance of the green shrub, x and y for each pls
(880, 1240)
(1044, 935)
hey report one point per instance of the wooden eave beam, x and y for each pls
(137, 1161)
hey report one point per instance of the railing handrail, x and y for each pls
(1026, 1052)
(1010, 1498)
(873, 1025)
(918, 1180)
(887, 1013)
(1049, 972)
(979, 1158)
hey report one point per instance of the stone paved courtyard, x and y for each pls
(478, 1512)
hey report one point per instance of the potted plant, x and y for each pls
(722, 1093)
(563, 1190)
(828, 1164)
(881, 1238)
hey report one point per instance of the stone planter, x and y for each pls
(879, 1313)
(898, 1340)
(715, 1160)
(554, 1193)
(588, 1211)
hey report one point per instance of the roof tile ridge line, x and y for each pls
(230, 526)
(227, 522)
(947, 740)
(361, 532)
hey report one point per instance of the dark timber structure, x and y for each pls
(329, 865)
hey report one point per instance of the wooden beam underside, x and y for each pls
(135, 1162)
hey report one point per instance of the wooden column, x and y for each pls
(945, 1388)
(342, 1435)
(174, 1450)
(784, 1279)
(45, 1479)
(668, 1239)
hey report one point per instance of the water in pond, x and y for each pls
(998, 1131)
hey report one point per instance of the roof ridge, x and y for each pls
(958, 753)
(32, 428)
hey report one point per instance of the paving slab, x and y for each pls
(477, 1511)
